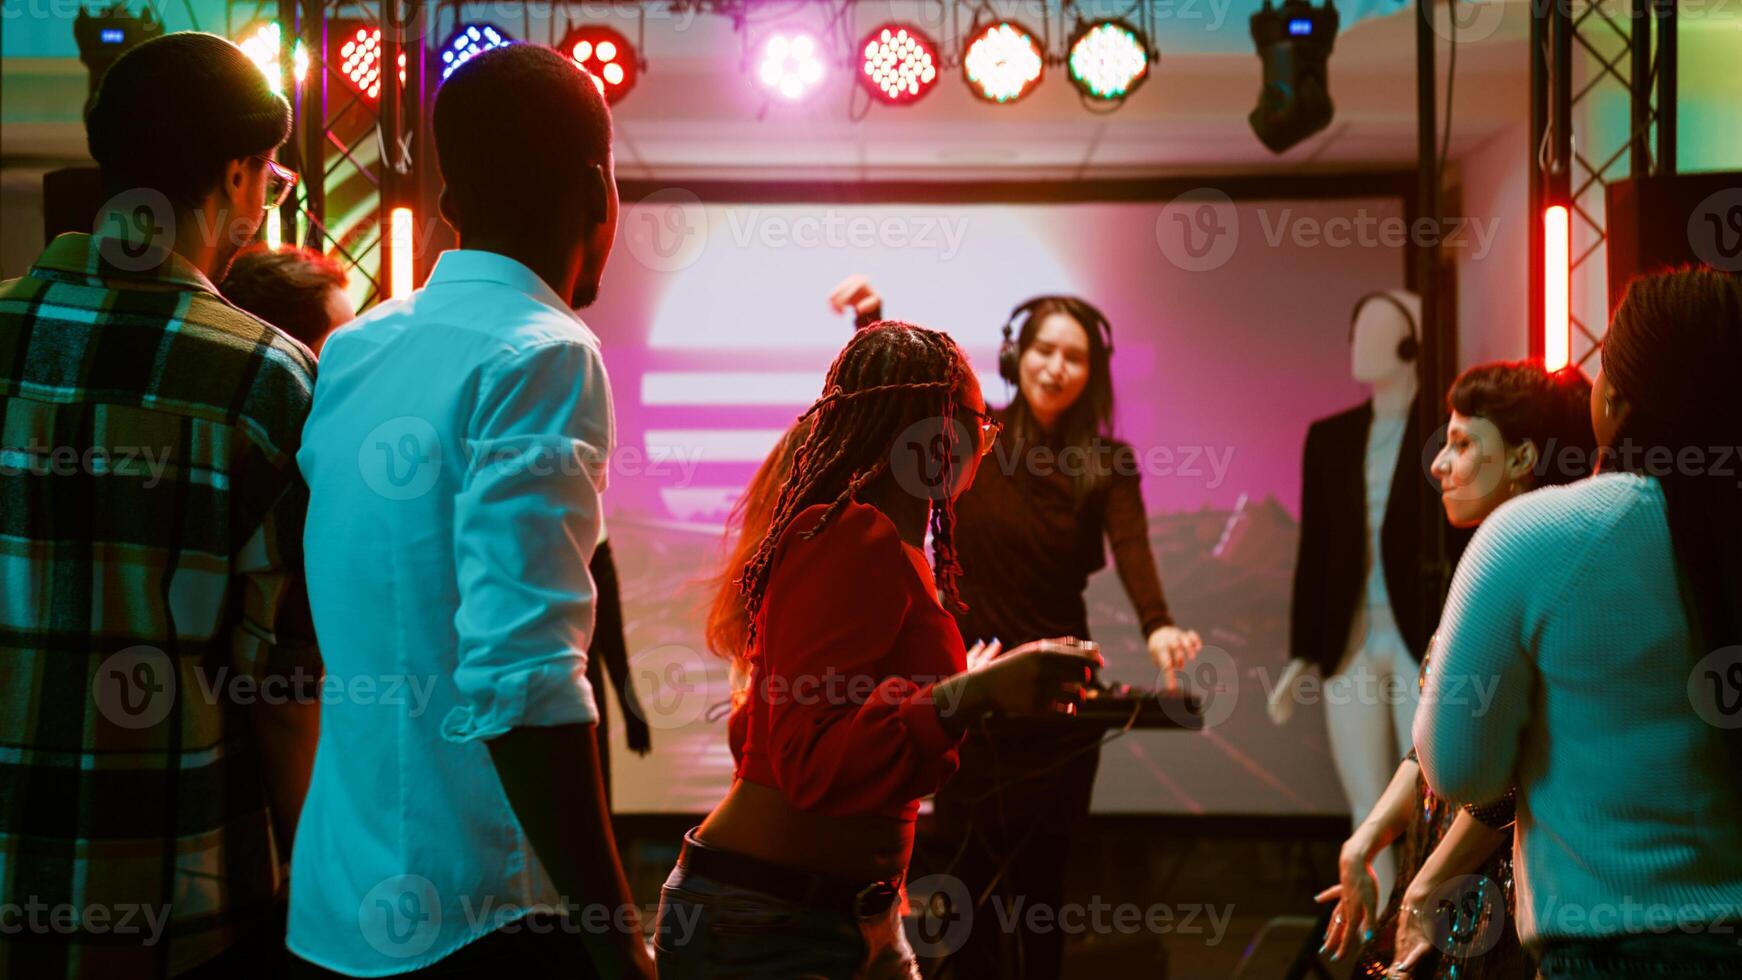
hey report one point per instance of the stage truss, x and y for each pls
(1583, 51)
(362, 155)
(357, 151)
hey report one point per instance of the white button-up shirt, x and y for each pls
(455, 455)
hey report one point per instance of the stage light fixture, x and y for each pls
(1294, 45)
(899, 64)
(262, 44)
(104, 36)
(1108, 59)
(467, 42)
(1003, 62)
(791, 64)
(359, 60)
(606, 55)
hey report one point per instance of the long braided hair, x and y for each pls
(889, 377)
(1672, 346)
(1671, 349)
(728, 627)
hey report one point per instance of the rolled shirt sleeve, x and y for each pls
(526, 523)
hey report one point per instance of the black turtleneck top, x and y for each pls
(1027, 544)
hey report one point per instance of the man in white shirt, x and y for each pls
(456, 451)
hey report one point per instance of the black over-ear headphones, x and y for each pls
(1409, 348)
(1010, 351)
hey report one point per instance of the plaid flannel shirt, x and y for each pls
(151, 589)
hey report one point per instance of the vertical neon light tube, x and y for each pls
(399, 276)
(274, 230)
(1557, 326)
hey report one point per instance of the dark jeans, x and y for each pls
(1009, 816)
(537, 947)
(1670, 954)
(258, 954)
(708, 930)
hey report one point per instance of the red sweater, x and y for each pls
(852, 637)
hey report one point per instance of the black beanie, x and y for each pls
(173, 110)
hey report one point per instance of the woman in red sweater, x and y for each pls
(858, 692)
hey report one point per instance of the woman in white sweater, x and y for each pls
(1603, 622)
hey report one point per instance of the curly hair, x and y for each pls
(1527, 403)
(287, 287)
(889, 377)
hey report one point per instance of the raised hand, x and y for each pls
(855, 293)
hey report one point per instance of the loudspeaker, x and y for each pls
(1660, 223)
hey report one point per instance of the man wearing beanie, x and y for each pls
(154, 625)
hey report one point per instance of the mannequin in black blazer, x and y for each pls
(1359, 620)
(1331, 566)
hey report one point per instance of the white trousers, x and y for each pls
(1369, 709)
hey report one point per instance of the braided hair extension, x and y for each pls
(727, 629)
(1670, 351)
(890, 376)
(1671, 347)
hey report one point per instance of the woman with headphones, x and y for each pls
(1039, 520)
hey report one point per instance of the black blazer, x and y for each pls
(1330, 567)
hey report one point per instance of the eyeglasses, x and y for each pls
(989, 428)
(280, 180)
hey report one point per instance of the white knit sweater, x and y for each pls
(1562, 666)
